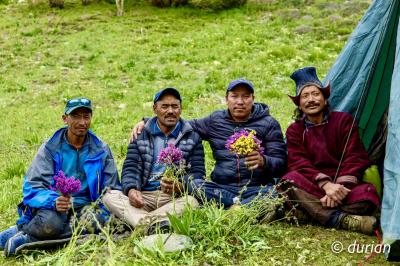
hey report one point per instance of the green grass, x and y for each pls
(49, 55)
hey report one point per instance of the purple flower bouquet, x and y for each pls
(66, 185)
(172, 158)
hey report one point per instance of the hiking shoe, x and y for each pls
(357, 223)
(15, 242)
(393, 252)
(302, 217)
(7, 234)
(270, 214)
(162, 227)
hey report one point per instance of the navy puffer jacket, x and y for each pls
(139, 158)
(219, 126)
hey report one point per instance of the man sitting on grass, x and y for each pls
(239, 180)
(327, 160)
(148, 195)
(46, 214)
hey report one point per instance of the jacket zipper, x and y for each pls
(98, 182)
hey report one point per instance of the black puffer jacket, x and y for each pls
(219, 126)
(139, 159)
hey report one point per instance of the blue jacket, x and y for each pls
(219, 126)
(99, 166)
(139, 158)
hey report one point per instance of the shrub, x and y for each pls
(203, 4)
(216, 4)
(168, 3)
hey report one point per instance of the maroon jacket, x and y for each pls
(314, 152)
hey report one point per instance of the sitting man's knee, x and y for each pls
(113, 199)
(46, 224)
(191, 201)
(195, 184)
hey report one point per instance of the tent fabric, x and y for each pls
(390, 218)
(362, 64)
(364, 78)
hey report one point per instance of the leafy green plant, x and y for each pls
(216, 4)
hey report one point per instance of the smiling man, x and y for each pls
(45, 214)
(326, 160)
(148, 196)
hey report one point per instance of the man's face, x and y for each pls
(168, 110)
(240, 103)
(312, 101)
(78, 121)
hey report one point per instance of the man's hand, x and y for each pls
(63, 204)
(327, 202)
(135, 198)
(336, 192)
(137, 129)
(170, 186)
(254, 160)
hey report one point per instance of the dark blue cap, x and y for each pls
(307, 76)
(165, 91)
(304, 77)
(242, 82)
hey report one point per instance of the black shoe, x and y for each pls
(393, 252)
(162, 227)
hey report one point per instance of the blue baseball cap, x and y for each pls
(76, 103)
(174, 92)
(242, 82)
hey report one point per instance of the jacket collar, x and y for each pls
(309, 124)
(185, 127)
(53, 145)
(155, 129)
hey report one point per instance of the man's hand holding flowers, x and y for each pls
(63, 203)
(254, 160)
(65, 186)
(170, 186)
(247, 144)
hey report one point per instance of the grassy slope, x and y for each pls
(48, 55)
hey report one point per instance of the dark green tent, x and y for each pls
(365, 81)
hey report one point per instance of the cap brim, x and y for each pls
(171, 91)
(244, 84)
(77, 107)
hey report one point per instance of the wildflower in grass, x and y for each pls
(172, 158)
(66, 185)
(244, 143)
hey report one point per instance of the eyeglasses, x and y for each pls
(80, 101)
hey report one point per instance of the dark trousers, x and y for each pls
(50, 224)
(224, 194)
(329, 217)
